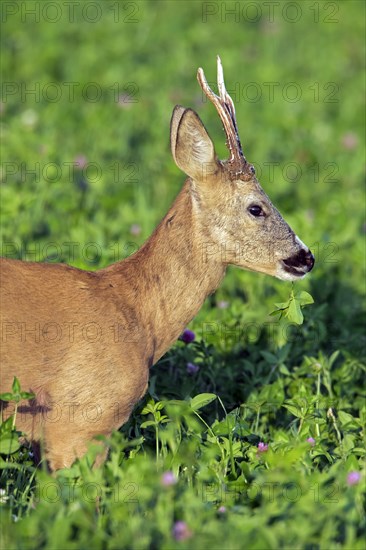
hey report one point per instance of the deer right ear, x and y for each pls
(192, 148)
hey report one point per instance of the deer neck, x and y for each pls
(171, 275)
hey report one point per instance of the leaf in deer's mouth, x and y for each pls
(292, 308)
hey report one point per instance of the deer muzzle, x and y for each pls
(300, 264)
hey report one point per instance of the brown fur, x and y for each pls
(83, 341)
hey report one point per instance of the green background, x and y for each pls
(87, 95)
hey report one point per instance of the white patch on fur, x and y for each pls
(299, 241)
(285, 276)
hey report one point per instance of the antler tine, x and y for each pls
(222, 90)
(226, 110)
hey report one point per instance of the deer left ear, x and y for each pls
(192, 148)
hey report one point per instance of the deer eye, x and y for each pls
(256, 210)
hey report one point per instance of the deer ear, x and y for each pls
(192, 148)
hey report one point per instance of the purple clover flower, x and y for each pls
(311, 441)
(222, 509)
(192, 368)
(181, 531)
(168, 478)
(187, 336)
(262, 447)
(80, 161)
(353, 478)
(135, 229)
(350, 141)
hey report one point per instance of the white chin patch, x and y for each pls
(285, 276)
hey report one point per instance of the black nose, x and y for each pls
(309, 260)
(302, 261)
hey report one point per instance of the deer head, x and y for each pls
(239, 222)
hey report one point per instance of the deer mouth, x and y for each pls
(300, 264)
(297, 272)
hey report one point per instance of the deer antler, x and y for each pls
(226, 110)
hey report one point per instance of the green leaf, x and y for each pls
(150, 408)
(277, 312)
(292, 308)
(9, 443)
(348, 442)
(224, 427)
(333, 357)
(294, 313)
(7, 425)
(10, 465)
(283, 305)
(27, 395)
(201, 400)
(269, 357)
(16, 386)
(283, 369)
(148, 423)
(6, 396)
(304, 298)
(347, 420)
(294, 409)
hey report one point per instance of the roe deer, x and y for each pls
(83, 342)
